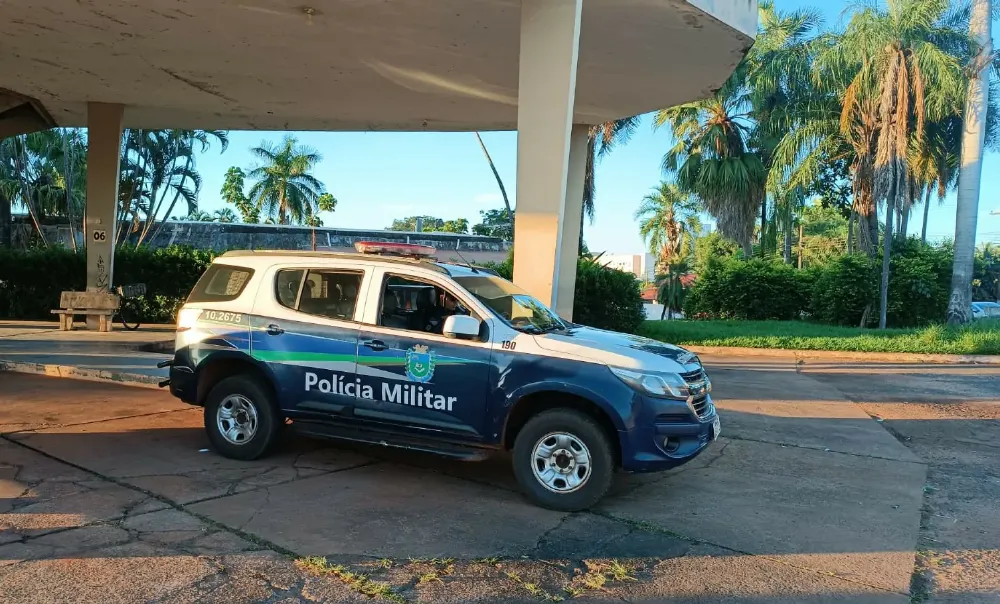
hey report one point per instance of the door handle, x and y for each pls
(274, 330)
(376, 345)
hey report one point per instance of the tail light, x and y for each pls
(187, 317)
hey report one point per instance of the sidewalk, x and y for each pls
(121, 356)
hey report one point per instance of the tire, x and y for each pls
(128, 316)
(245, 399)
(563, 430)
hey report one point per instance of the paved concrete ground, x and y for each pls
(41, 342)
(109, 493)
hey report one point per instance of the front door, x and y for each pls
(305, 332)
(416, 380)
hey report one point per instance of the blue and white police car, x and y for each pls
(391, 347)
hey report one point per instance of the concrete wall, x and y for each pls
(235, 236)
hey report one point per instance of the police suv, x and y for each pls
(392, 348)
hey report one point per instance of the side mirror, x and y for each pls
(461, 326)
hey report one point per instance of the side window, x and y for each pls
(287, 285)
(220, 283)
(326, 293)
(416, 305)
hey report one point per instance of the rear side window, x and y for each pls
(325, 293)
(221, 283)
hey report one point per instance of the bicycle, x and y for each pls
(128, 306)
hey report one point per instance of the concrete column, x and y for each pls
(104, 132)
(550, 39)
(572, 221)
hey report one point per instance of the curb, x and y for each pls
(79, 373)
(883, 357)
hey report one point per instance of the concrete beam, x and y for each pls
(550, 40)
(104, 132)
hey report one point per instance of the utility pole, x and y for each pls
(800, 245)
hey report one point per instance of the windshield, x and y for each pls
(512, 304)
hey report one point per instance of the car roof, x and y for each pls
(449, 268)
(371, 258)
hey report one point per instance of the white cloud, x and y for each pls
(487, 199)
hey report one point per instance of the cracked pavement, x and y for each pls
(813, 494)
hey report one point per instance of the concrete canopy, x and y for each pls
(405, 65)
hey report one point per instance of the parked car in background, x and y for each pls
(985, 310)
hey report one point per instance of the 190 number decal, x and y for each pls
(508, 344)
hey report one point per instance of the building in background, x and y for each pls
(642, 266)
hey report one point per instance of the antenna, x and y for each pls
(467, 265)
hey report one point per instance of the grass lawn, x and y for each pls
(982, 337)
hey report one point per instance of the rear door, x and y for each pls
(305, 329)
(414, 379)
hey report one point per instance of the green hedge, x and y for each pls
(836, 293)
(31, 280)
(754, 290)
(605, 298)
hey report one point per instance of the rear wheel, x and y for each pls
(563, 460)
(241, 418)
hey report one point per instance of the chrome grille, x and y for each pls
(701, 406)
(693, 376)
(700, 403)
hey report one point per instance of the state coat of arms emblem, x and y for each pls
(420, 364)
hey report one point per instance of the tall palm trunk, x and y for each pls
(26, 195)
(503, 191)
(927, 207)
(969, 177)
(887, 246)
(151, 218)
(68, 184)
(763, 225)
(850, 231)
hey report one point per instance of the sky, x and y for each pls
(379, 176)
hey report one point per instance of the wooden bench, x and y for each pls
(96, 303)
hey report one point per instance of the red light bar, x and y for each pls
(409, 250)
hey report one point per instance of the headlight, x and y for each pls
(661, 385)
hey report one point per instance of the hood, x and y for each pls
(619, 349)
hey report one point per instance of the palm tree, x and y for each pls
(973, 136)
(284, 185)
(670, 291)
(725, 145)
(496, 175)
(184, 144)
(667, 218)
(601, 140)
(224, 215)
(712, 159)
(934, 160)
(900, 67)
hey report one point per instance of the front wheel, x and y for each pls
(563, 460)
(241, 419)
(128, 316)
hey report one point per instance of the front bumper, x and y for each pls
(666, 434)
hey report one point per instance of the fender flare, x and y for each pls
(605, 405)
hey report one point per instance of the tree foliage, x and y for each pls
(283, 184)
(494, 223)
